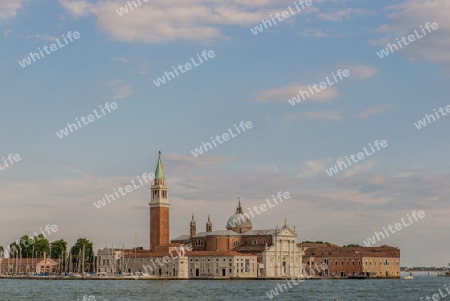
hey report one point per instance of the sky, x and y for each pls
(117, 58)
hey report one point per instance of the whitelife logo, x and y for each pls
(280, 17)
(110, 197)
(162, 80)
(281, 196)
(391, 48)
(371, 240)
(11, 158)
(90, 118)
(124, 9)
(360, 155)
(318, 88)
(423, 122)
(27, 61)
(224, 136)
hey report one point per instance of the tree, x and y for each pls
(28, 247)
(352, 246)
(58, 248)
(14, 250)
(41, 245)
(2, 252)
(88, 258)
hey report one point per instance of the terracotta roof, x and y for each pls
(171, 244)
(27, 260)
(131, 255)
(316, 245)
(149, 254)
(216, 253)
(383, 251)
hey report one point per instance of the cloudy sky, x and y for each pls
(251, 78)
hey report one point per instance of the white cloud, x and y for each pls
(9, 8)
(119, 89)
(188, 161)
(282, 94)
(340, 14)
(43, 37)
(373, 111)
(313, 32)
(324, 115)
(362, 71)
(160, 21)
(119, 59)
(409, 16)
(79, 8)
(313, 168)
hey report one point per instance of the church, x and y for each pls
(239, 251)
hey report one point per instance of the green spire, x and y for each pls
(159, 173)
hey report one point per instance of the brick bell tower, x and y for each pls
(159, 209)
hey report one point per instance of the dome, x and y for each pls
(239, 220)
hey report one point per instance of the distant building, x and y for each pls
(16, 266)
(222, 264)
(108, 260)
(277, 254)
(348, 262)
(238, 251)
(23, 266)
(48, 265)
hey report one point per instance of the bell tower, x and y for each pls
(208, 225)
(193, 227)
(159, 208)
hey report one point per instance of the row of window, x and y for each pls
(217, 271)
(385, 262)
(217, 259)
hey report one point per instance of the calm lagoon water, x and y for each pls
(312, 290)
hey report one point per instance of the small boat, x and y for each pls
(357, 277)
(409, 277)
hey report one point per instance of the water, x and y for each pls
(312, 290)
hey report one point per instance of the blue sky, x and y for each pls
(250, 78)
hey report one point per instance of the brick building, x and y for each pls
(28, 266)
(277, 254)
(238, 251)
(351, 262)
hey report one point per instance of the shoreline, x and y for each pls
(171, 278)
